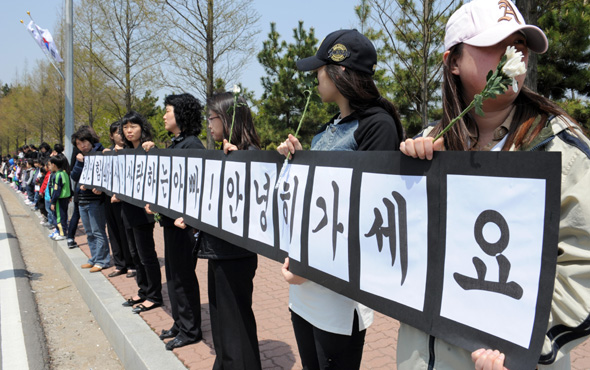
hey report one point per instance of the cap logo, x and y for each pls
(509, 12)
(338, 53)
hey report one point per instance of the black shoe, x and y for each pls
(141, 308)
(166, 334)
(117, 273)
(72, 244)
(131, 274)
(177, 343)
(131, 302)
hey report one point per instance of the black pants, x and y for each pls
(118, 237)
(41, 205)
(233, 325)
(323, 350)
(183, 286)
(61, 215)
(145, 259)
(74, 220)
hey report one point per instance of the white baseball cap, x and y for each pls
(487, 22)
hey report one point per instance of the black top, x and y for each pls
(212, 247)
(181, 142)
(84, 196)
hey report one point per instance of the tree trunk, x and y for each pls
(425, 51)
(531, 16)
(128, 61)
(210, 56)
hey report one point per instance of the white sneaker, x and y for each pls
(59, 237)
(53, 234)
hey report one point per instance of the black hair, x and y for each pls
(187, 113)
(45, 146)
(362, 93)
(60, 161)
(138, 119)
(85, 133)
(114, 127)
(33, 147)
(58, 148)
(244, 134)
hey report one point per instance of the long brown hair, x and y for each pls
(362, 93)
(529, 105)
(244, 134)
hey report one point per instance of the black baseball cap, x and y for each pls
(348, 48)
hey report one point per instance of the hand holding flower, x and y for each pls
(498, 81)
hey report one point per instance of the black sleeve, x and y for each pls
(377, 132)
(189, 142)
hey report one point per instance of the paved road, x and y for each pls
(22, 340)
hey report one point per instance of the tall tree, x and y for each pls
(414, 33)
(209, 40)
(126, 46)
(530, 13)
(94, 92)
(382, 78)
(563, 69)
(283, 99)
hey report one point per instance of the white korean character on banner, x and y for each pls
(393, 230)
(328, 221)
(164, 182)
(234, 188)
(151, 179)
(139, 177)
(290, 193)
(177, 184)
(262, 178)
(493, 254)
(194, 174)
(209, 205)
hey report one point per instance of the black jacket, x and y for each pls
(84, 196)
(212, 247)
(181, 142)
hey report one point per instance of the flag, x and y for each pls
(45, 40)
(32, 27)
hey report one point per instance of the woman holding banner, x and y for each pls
(477, 35)
(330, 328)
(183, 120)
(231, 269)
(135, 130)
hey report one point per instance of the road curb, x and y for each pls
(133, 340)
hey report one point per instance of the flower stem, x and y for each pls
(304, 111)
(233, 118)
(469, 107)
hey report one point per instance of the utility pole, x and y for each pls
(69, 60)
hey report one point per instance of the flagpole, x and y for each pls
(44, 51)
(69, 61)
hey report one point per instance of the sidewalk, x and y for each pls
(139, 347)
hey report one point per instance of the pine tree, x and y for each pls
(283, 99)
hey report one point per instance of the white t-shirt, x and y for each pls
(327, 310)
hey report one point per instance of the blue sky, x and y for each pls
(20, 53)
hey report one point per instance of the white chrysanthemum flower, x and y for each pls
(514, 66)
(236, 89)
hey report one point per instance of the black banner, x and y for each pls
(458, 247)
